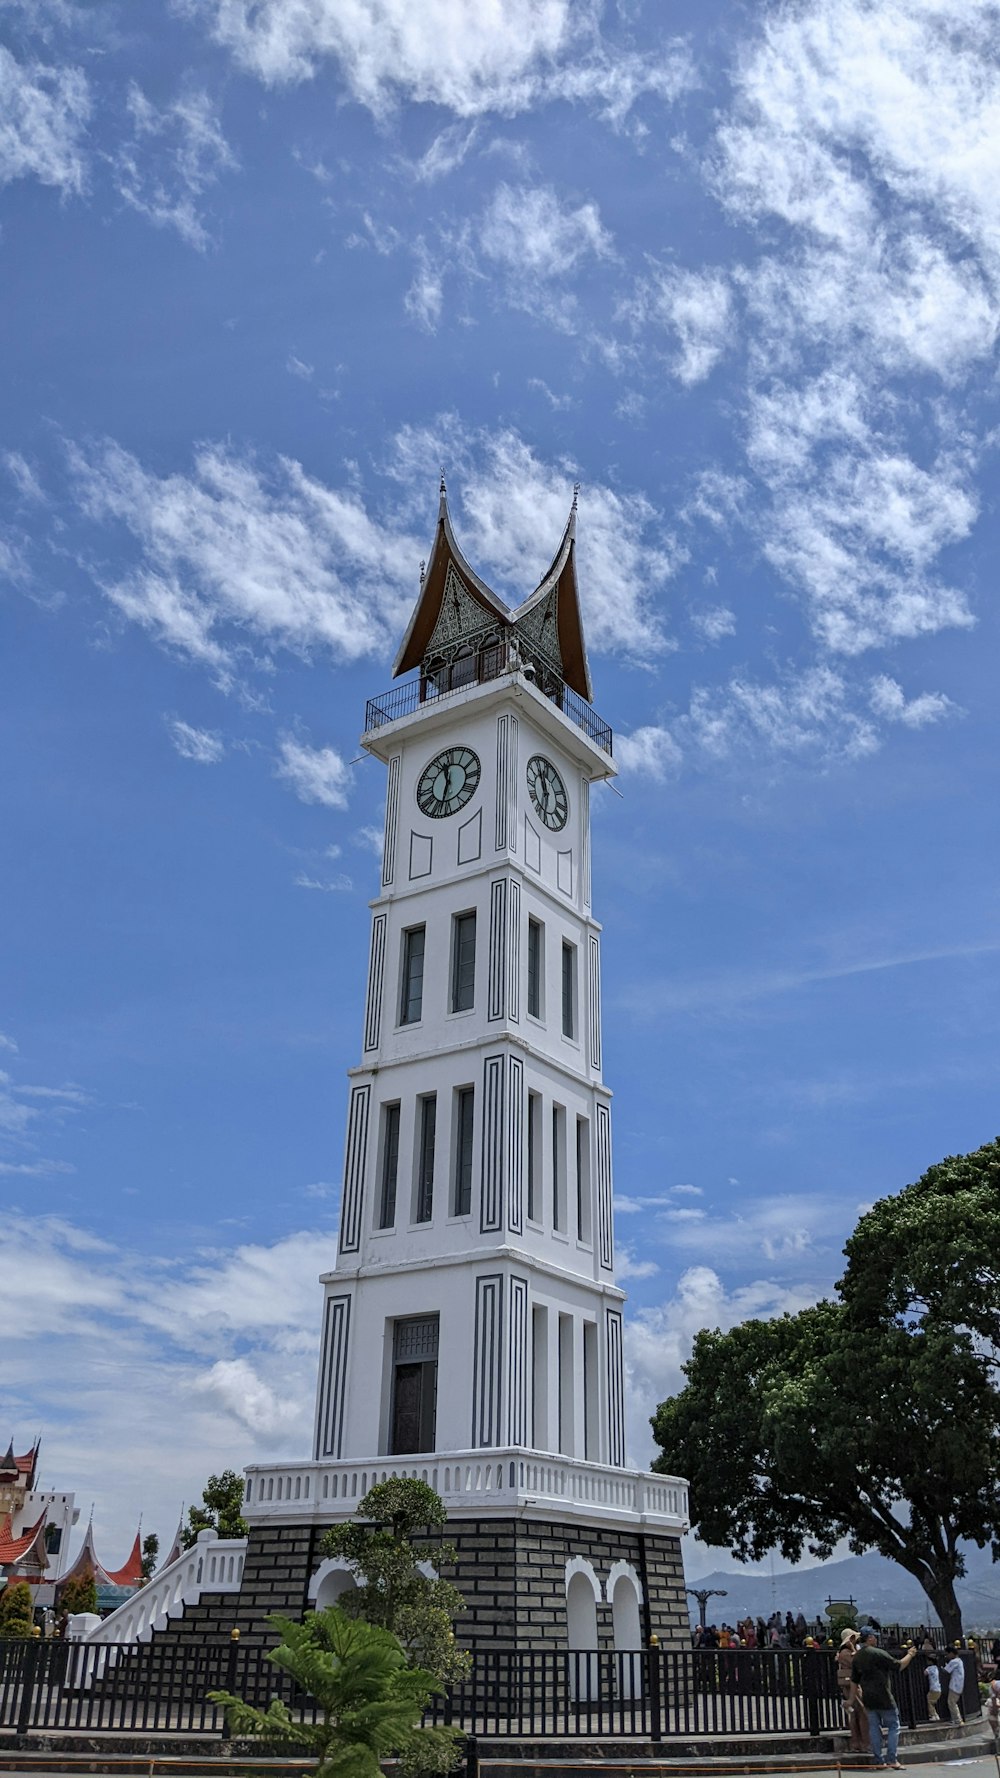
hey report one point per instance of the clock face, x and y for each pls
(547, 792)
(448, 782)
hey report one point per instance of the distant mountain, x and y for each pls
(878, 1586)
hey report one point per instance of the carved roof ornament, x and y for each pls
(454, 603)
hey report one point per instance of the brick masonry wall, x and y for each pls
(511, 1572)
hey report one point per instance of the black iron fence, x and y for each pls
(478, 668)
(656, 1694)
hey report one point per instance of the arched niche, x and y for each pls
(624, 1594)
(583, 1595)
(332, 1579)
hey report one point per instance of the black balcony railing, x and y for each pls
(496, 660)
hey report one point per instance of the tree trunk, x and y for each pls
(941, 1593)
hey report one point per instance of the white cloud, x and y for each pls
(651, 752)
(424, 298)
(333, 886)
(889, 700)
(175, 154)
(21, 473)
(234, 551)
(658, 1341)
(316, 774)
(297, 367)
(714, 622)
(446, 152)
(697, 308)
(627, 1266)
(7, 1043)
(222, 1348)
(807, 712)
(202, 745)
(43, 118)
(527, 230)
(372, 839)
(453, 53)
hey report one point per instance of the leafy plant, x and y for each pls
(79, 1593)
(370, 1696)
(221, 1510)
(16, 1612)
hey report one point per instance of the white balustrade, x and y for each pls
(212, 1565)
(499, 1481)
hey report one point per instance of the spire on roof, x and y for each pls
(9, 1464)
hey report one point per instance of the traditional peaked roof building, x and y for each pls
(23, 1555)
(127, 1577)
(462, 633)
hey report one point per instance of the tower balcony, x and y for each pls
(473, 1484)
(483, 661)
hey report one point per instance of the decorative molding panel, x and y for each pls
(616, 1390)
(605, 1211)
(515, 1145)
(354, 1169)
(421, 850)
(333, 1378)
(517, 1362)
(376, 976)
(594, 999)
(513, 949)
(491, 1190)
(585, 840)
(497, 1001)
(532, 846)
(506, 810)
(487, 1360)
(391, 821)
(564, 872)
(470, 839)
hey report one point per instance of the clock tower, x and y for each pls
(472, 1326)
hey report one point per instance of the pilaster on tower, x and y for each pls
(472, 1328)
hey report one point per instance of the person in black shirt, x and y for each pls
(871, 1674)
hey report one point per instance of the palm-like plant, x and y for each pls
(371, 1699)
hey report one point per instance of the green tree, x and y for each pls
(371, 1699)
(150, 1551)
(16, 1612)
(79, 1593)
(221, 1509)
(393, 1591)
(809, 1428)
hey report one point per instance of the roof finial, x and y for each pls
(442, 489)
(423, 571)
(576, 496)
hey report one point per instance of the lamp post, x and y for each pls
(704, 1594)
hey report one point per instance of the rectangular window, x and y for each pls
(390, 1166)
(539, 1378)
(411, 999)
(425, 1159)
(566, 1382)
(590, 1397)
(568, 990)
(583, 1230)
(534, 1157)
(463, 1151)
(413, 1405)
(535, 968)
(463, 962)
(559, 1168)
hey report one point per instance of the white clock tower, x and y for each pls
(472, 1327)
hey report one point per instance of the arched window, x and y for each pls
(333, 1578)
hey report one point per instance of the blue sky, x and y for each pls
(266, 267)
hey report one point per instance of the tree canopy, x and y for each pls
(221, 1509)
(873, 1417)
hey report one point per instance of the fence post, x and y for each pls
(29, 1669)
(655, 1689)
(810, 1688)
(471, 1758)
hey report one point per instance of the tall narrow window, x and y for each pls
(583, 1231)
(535, 968)
(559, 1168)
(425, 1159)
(534, 1157)
(539, 1378)
(465, 1112)
(413, 1402)
(568, 990)
(567, 1382)
(463, 962)
(390, 1166)
(590, 1396)
(411, 999)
